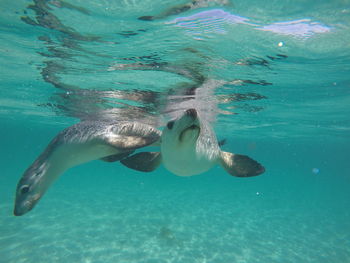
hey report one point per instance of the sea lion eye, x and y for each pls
(170, 125)
(24, 189)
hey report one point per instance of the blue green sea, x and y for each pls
(279, 93)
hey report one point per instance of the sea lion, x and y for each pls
(188, 147)
(80, 143)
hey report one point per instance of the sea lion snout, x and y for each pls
(192, 113)
(22, 208)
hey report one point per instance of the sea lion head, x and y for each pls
(30, 188)
(182, 131)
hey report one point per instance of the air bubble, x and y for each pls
(315, 170)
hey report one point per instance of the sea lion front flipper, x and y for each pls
(131, 135)
(115, 157)
(143, 161)
(240, 165)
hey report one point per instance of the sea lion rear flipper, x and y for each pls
(143, 162)
(116, 157)
(240, 165)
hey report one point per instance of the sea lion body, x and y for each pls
(80, 143)
(188, 146)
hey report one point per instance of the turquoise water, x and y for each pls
(281, 96)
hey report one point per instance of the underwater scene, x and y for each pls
(175, 131)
